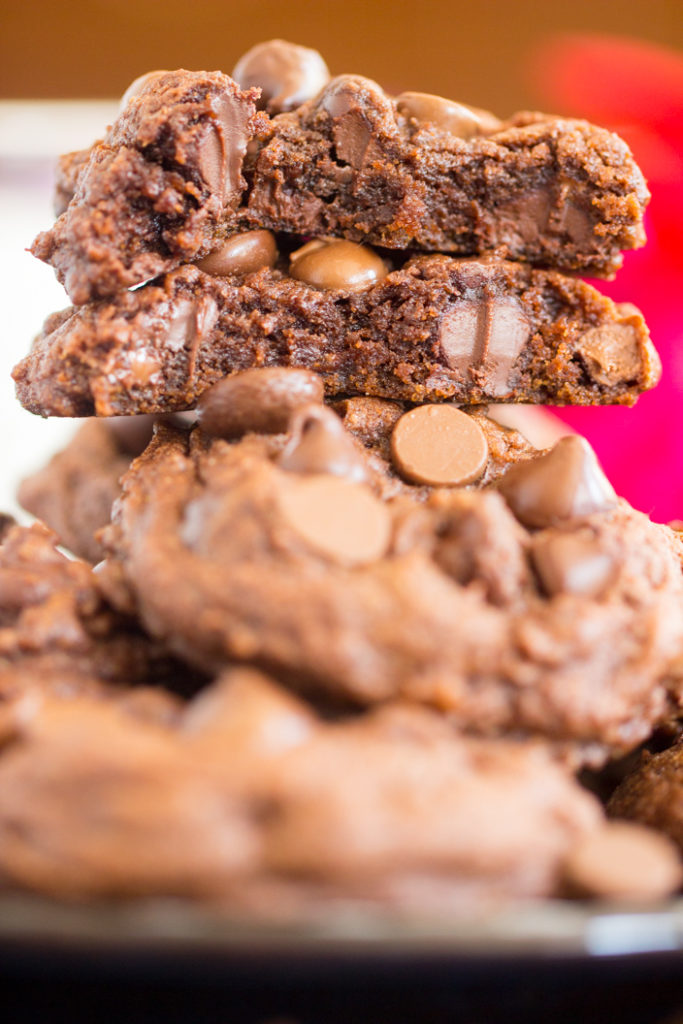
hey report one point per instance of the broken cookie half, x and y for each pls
(190, 160)
(429, 329)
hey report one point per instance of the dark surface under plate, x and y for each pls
(169, 963)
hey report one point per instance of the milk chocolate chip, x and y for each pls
(439, 445)
(455, 118)
(564, 483)
(624, 861)
(357, 107)
(223, 146)
(261, 399)
(137, 85)
(333, 263)
(611, 354)
(571, 563)
(486, 334)
(287, 74)
(241, 254)
(320, 444)
(340, 520)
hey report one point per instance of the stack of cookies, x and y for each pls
(347, 637)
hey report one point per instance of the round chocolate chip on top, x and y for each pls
(456, 118)
(564, 483)
(354, 92)
(287, 74)
(321, 444)
(241, 254)
(334, 263)
(623, 860)
(341, 520)
(260, 400)
(439, 445)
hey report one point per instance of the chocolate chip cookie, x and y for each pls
(73, 494)
(75, 491)
(58, 632)
(190, 161)
(159, 183)
(249, 799)
(540, 604)
(432, 328)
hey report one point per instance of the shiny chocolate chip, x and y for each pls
(321, 444)
(223, 146)
(287, 74)
(334, 263)
(456, 118)
(439, 445)
(360, 111)
(241, 254)
(260, 400)
(488, 333)
(571, 563)
(564, 483)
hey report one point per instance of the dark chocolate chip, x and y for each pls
(287, 74)
(260, 400)
(6, 524)
(559, 485)
(320, 444)
(191, 320)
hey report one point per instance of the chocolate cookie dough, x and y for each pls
(58, 632)
(653, 793)
(255, 552)
(75, 491)
(249, 800)
(157, 188)
(189, 161)
(433, 328)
